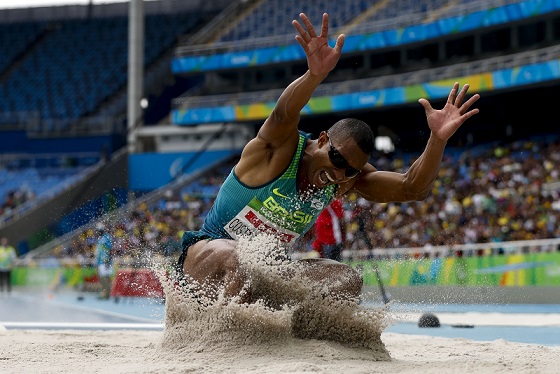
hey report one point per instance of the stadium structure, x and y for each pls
(105, 108)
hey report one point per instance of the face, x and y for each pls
(341, 160)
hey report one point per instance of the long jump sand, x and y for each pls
(294, 328)
(73, 351)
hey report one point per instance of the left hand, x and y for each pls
(446, 121)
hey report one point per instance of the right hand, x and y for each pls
(443, 123)
(321, 58)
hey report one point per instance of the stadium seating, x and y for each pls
(15, 38)
(77, 64)
(485, 194)
(57, 72)
(71, 68)
(20, 186)
(403, 8)
(269, 18)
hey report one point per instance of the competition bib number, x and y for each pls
(249, 222)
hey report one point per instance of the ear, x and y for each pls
(322, 139)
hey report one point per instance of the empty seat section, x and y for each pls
(79, 64)
(273, 17)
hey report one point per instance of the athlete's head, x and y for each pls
(343, 150)
(351, 128)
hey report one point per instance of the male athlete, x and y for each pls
(284, 179)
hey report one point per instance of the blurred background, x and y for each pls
(120, 120)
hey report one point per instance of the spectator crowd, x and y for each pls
(494, 194)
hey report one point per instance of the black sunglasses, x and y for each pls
(340, 162)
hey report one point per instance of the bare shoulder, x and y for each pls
(261, 160)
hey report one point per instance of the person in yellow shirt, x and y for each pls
(7, 258)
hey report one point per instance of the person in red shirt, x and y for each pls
(329, 232)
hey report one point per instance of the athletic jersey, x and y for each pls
(275, 208)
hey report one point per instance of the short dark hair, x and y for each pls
(355, 129)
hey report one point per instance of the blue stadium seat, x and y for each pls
(15, 38)
(420, 9)
(32, 183)
(76, 64)
(273, 17)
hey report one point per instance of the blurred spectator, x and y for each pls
(515, 197)
(329, 234)
(104, 260)
(16, 198)
(7, 258)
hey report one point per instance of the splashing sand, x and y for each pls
(289, 316)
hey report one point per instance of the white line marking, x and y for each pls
(81, 325)
(87, 308)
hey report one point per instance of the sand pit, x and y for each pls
(72, 351)
(295, 329)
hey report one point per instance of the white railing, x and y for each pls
(18, 120)
(94, 125)
(54, 160)
(467, 250)
(512, 247)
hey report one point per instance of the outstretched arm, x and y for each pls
(321, 59)
(271, 150)
(416, 183)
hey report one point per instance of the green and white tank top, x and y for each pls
(275, 208)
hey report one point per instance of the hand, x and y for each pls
(446, 121)
(321, 58)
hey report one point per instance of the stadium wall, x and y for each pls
(171, 151)
(366, 100)
(149, 171)
(513, 270)
(20, 142)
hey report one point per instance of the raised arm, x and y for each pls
(416, 183)
(321, 59)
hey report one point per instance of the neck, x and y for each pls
(305, 188)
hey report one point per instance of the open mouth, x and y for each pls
(325, 177)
